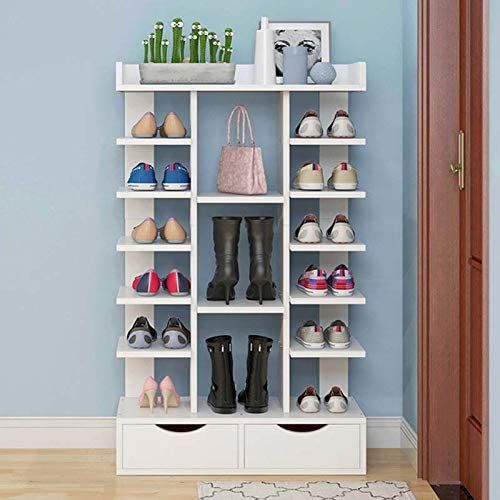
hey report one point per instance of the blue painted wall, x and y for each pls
(60, 169)
(410, 211)
(494, 261)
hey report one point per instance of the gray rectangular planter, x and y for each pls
(196, 73)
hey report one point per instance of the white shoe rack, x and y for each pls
(191, 439)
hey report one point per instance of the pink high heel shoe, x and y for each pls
(148, 394)
(169, 396)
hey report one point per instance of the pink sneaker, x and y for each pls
(148, 394)
(169, 396)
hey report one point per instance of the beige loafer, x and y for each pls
(146, 127)
(172, 126)
(172, 231)
(145, 232)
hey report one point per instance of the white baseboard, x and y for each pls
(57, 432)
(99, 432)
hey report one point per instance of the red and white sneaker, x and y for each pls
(341, 281)
(175, 283)
(313, 282)
(147, 283)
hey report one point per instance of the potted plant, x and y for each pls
(196, 68)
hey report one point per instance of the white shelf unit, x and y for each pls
(182, 440)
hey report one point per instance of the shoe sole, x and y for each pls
(141, 187)
(309, 186)
(338, 186)
(309, 345)
(341, 242)
(175, 187)
(146, 294)
(336, 345)
(178, 294)
(144, 242)
(175, 242)
(341, 293)
(313, 293)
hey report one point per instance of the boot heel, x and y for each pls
(151, 396)
(228, 294)
(260, 288)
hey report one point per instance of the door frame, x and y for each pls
(425, 444)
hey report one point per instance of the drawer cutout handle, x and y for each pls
(302, 427)
(180, 427)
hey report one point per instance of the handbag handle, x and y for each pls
(244, 118)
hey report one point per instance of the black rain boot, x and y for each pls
(260, 238)
(226, 238)
(255, 396)
(222, 395)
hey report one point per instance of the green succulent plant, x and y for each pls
(213, 45)
(177, 25)
(203, 36)
(164, 50)
(220, 54)
(227, 55)
(152, 47)
(183, 47)
(158, 39)
(145, 44)
(193, 47)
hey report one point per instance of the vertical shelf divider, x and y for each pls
(285, 322)
(193, 108)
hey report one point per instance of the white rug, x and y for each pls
(311, 490)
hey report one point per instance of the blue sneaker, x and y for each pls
(142, 178)
(176, 177)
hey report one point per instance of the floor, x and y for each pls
(89, 474)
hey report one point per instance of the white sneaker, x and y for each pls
(341, 126)
(344, 178)
(309, 230)
(310, 335)
(309, 126)
(336, 401)
(340, 231)
(309, 401)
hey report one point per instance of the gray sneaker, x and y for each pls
(337, 335)
(310, 335)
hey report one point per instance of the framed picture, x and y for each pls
(314, 35)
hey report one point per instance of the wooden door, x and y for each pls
(452, 244)
(472, 275)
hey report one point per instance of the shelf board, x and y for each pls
(155, 351)
(326, 246)
(127, 244)
(327, 193)
(271, 197)
(355, 350)
(125, 192)
(128, 296)
(327, 141)
(153, 141)
(350, 78)
(299, 297)
(129, 412)
(240, 306)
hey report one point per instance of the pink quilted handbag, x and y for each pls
(241, 169)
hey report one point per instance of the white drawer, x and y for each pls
(147, 446)
(305, 447)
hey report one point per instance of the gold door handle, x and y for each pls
(459, 168)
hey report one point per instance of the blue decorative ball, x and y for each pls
(323, 73)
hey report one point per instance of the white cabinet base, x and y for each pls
(205, 443)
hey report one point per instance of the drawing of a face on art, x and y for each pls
(310, 39)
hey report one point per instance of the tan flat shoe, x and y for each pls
(172, 126)
(145, 232)
(172, 231)
(146, 126)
